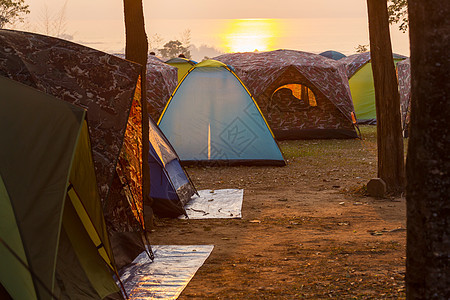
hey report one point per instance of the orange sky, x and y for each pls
(313, 26)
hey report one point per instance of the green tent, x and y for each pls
(359, 68)
(52, 231)
(182, 64)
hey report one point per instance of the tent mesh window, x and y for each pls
(293, 97)
(323, 115)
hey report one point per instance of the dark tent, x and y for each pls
(332, 54)
(170, 186)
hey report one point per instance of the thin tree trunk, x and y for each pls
(136, 49)
(391, 163)
(428, 162)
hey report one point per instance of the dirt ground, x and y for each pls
(307, 231)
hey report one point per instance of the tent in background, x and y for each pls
(53, 235)
(404, 87)
(212, 119)
(302, 95)
(109, 89)
(182, 64)
(332, 54)
(360, 77)
(161, 82)
(171, 187)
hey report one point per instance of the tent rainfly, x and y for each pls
(360, 77)
(302, 95)
(212, 119)
(53, 238)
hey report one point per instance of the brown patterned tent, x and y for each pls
(404, 87)
(162, 80)
(109, 89)
(355, 61)
(302, 95)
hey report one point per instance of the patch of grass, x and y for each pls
(331, 148)
(294, 150)
(368, 132)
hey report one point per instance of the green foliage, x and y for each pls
(362, 48)
(55, 24)
(173, 49)
(398, 13)
(12, 11)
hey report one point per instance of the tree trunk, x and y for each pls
(428, 162)
(391, 163)
(136, 49)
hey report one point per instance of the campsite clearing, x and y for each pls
(307, 231)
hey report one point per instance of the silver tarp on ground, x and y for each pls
(219, 204)
(167, 276)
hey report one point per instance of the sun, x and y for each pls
(246, 35)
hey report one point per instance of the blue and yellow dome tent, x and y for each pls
(211, 118)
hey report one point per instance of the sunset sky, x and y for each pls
(228, 26)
